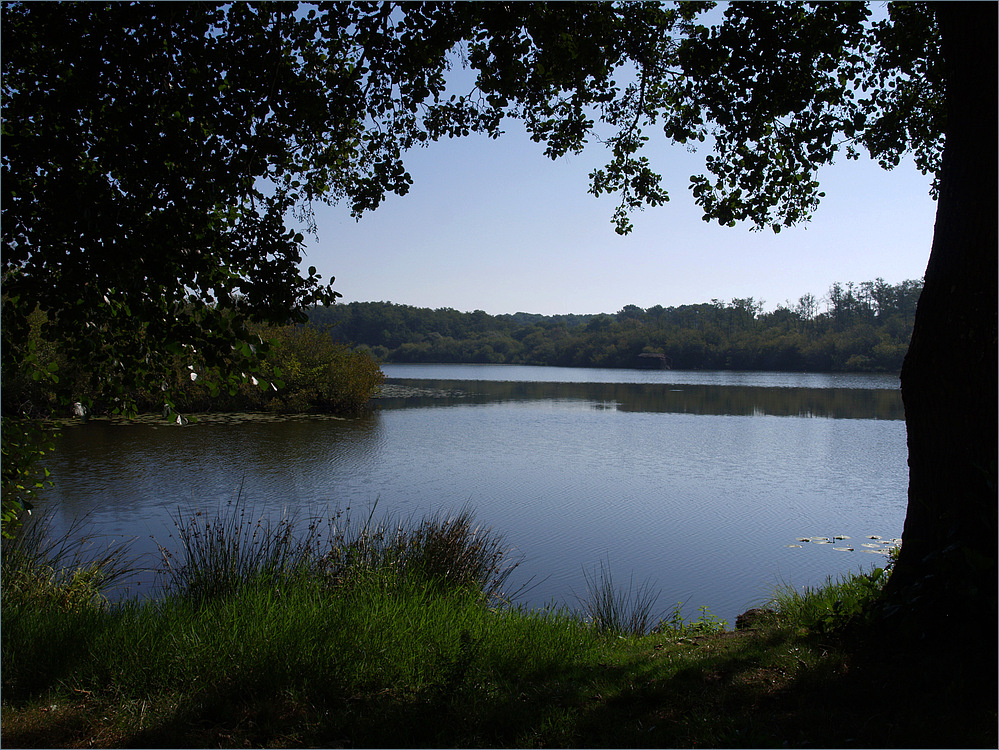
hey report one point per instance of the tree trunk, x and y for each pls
(946, 571)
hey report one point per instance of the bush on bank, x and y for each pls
(302, 370)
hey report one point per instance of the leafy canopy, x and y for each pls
(160, 159)
(155, 155)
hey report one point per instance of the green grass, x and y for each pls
(70, 571)
(364, 637)
(837, 604)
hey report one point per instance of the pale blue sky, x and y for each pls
(494, 225)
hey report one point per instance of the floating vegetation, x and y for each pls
(157, 420)
(393, 390)
(880, 546)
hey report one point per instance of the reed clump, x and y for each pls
(70, 571)
(218, 554)
(612, 609)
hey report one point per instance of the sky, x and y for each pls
(495, 225)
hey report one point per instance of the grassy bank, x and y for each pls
(397, 634)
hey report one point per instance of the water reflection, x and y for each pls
(672, 378)
(720, 400)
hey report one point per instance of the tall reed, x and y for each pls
(615, 610)
(71, 569)
(220, 553)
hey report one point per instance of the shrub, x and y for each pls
(320, 374)
(302, 370)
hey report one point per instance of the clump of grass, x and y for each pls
(631, 611)
(223, 552)
(220, 553)
(612, 609)
(70, 571)
(835, 605)
(449, 551)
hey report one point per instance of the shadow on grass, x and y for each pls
(729, 690)
(851, 695)
(858, 694)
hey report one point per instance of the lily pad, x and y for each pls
(876, 552)
(803, 539)
(843, 549)
(873, 536)
(841, 536)
(871, 546)
(793, 545)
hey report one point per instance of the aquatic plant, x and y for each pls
(677, 625)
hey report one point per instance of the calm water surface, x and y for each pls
(696, 482)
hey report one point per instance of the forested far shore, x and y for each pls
(855, 327)
(330, 363)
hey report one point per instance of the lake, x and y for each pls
(699, 483)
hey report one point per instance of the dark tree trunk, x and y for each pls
(946, 572)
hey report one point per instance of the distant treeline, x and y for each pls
(862, 327)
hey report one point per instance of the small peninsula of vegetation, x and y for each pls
(301, 369)
(865, 327)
